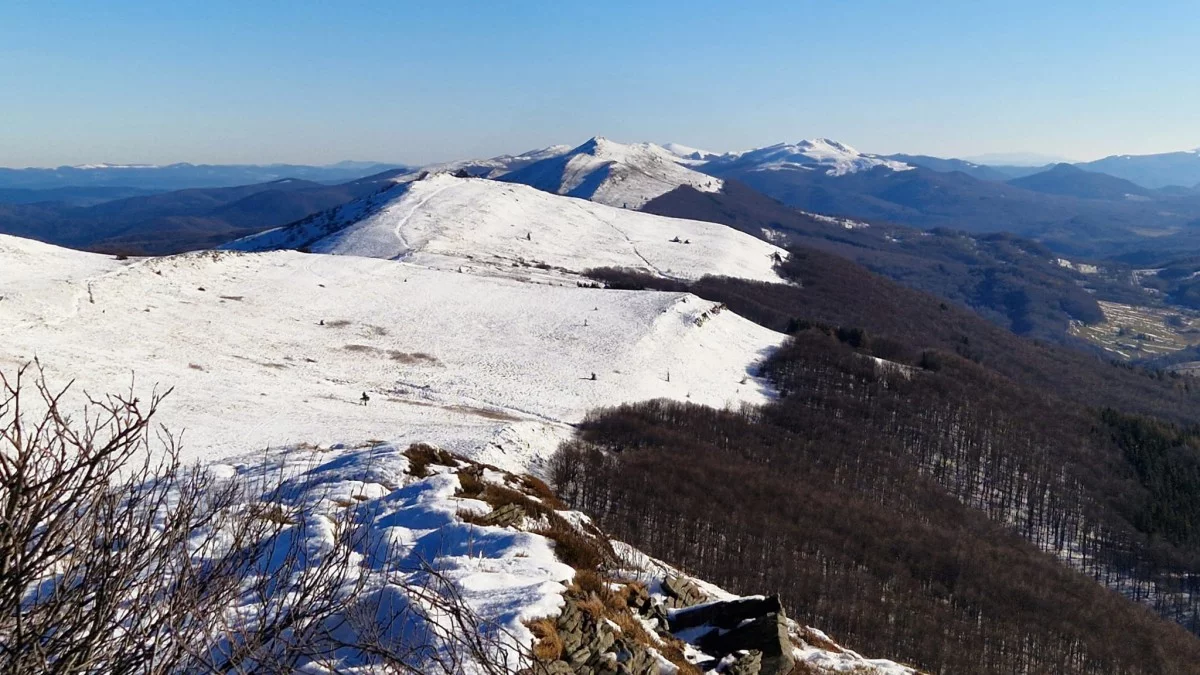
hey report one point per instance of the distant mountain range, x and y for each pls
(181, 220)
(181, 176)
(1147, 206)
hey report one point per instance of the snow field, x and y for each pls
(276, 348)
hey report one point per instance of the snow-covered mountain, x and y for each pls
(820, 154)
(495, 167)
(687, 152)
(616, 174)
(276, 347)
(446, 222)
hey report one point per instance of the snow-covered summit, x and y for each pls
(687, 152)
(616, 174)
(495, 167)
(274, 348)
(105, 165)
(490, 227)
(820, 154)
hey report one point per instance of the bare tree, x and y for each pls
(117, 558)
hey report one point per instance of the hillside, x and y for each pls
(1151, 171)
(611, 173)
(927, 199)
(980, 171)
(182, 220)
(820, 155)
(448, 222)
(1065, 179)
(180, 176)
(276, 348)
(1014, 282)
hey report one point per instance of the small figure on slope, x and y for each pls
(365, 399)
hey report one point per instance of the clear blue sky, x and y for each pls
(262, 81)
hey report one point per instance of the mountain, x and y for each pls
(181, 176)
(182, 220)
(70, 196)
(1151, 171)
(819, 155)
(1072, 181)
(980, 171)
(611, 173)
(1018, 284)
(682, 418)
(499, 165)
(687, 152)
(928, 199)
(446, 222)
(1016, 159)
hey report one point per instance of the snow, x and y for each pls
(488, 227)
(813, 647)
(846, 223)
(491, 367)
(616, 174)
(820, 154)
(407, 528)
(1082, 268)
(115, 166)
(687, 152)
(496, 166)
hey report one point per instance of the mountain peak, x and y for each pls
(612, 173)
(833, 157)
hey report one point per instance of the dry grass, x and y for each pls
(420, 456)
(574, 548)
(548, 645)
(472, 483)
(819, 642)
(538, 488)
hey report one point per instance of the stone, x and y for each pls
(509, 514)
(750, 625)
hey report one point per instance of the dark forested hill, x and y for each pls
(1069, 180)
(928, 484)
(928, 199)
(1014, 282)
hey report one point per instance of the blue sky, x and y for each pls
(312, 82)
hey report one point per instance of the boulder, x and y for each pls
(750, 625)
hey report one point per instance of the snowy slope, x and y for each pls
(492, 227)
(821, 154)
(687, 152)
(492, 367)
(506, 575)
(497, 166)
(612, 173)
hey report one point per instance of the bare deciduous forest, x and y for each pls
(927, 486)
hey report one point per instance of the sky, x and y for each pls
(261, 81)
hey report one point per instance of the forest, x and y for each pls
(927, 486)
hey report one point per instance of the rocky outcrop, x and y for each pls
(753, 631)
(504, 516)
(597, 647)
(683, 592)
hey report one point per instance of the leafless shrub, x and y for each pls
(115, 557)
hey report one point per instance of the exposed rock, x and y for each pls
(509, 514)
(749, 663)
(742, 625)
(683, 592)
